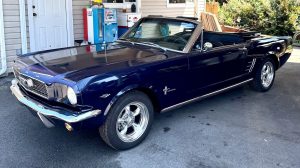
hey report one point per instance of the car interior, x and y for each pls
(219, 39)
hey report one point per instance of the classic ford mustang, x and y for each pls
(159, 64)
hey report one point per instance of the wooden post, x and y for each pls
(212, 7)
(210, 22)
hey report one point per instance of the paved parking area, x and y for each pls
(240, 128)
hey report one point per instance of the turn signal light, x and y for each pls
(69, 127)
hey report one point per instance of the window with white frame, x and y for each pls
(179, 3)
(118, 3)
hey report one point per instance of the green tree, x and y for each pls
(275, 17)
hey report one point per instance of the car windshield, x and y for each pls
(161, 32)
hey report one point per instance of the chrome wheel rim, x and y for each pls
(267, 74)
(132, 122)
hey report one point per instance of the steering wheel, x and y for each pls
(180, 40)
(176, 39)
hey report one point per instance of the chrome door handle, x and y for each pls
(242, 49)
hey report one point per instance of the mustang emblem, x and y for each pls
(26, 82)
(166, 90)
(105, 96)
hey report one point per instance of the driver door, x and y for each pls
(215, 66)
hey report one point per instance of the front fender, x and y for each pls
(118, 95)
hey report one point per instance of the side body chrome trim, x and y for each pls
(205, 96)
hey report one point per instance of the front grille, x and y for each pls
(32, 85)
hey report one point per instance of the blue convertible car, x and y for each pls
(159, 64)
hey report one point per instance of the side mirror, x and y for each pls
(207, 46)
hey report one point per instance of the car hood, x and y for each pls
(81, 62)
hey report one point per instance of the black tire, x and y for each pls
(108, 131)
(257, 83)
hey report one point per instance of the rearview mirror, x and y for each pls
(207, 46)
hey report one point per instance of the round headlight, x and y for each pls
(72, 96)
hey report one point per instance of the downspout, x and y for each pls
(2, 41)
(23, 26)
(196, 8)
(138, 6)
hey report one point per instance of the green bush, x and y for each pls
(274, 17)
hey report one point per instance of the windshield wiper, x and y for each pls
(123, 39)
(153, 45)
(126, 40)
(144, 43)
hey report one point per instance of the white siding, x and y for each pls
(159, 7)
(78, 5)
(27, 26)
(201, 5)
(12, 30)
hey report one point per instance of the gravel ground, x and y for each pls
(240, 128)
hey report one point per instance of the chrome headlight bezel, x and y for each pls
(72, 96)
(63, 93)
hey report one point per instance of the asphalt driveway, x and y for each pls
(240, 128)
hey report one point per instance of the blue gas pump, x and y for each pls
(102, 26)
(105, 25)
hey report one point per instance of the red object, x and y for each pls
(85, 28)
(85, 24)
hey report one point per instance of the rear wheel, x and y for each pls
(129, 121)
(264, 76)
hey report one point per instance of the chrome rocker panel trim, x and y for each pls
(44, 112)
(205, 96)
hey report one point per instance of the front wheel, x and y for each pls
(264, 76)
(128, 122)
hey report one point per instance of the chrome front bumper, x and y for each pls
(43, 111)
